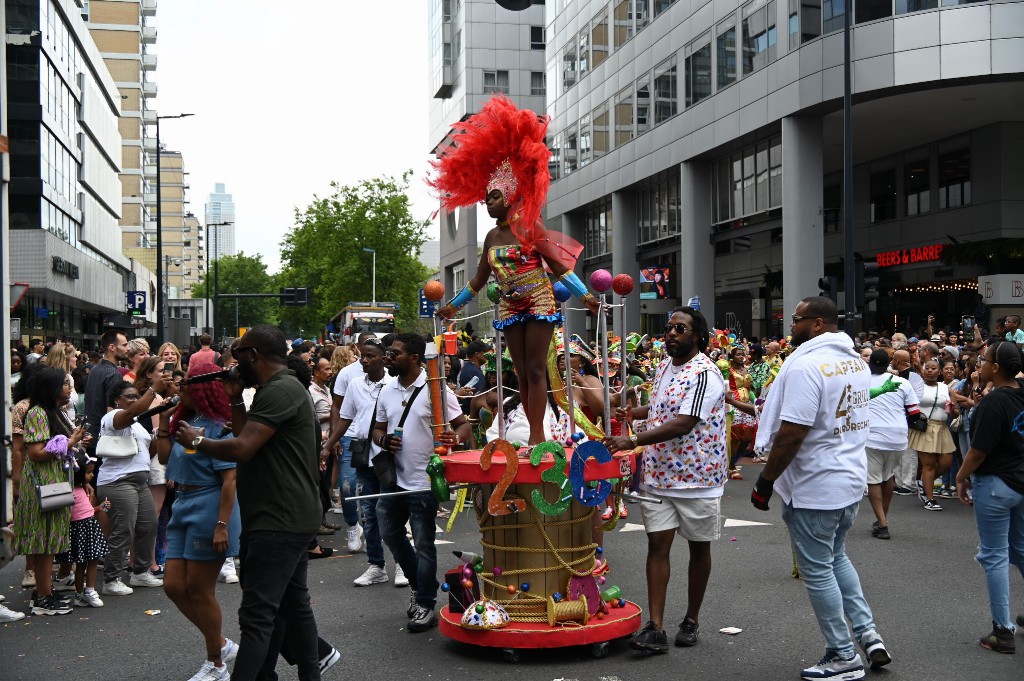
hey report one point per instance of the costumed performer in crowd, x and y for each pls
(499, 156)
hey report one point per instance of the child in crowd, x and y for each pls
(87, 542)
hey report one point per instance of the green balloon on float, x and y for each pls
(493, 294)
(479, 567)
(479, 608)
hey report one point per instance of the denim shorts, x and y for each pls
(193, 520)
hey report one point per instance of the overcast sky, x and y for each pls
(288, 97)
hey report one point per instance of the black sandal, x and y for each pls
(325, 552)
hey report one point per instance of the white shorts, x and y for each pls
(882, 465)
(692, 519)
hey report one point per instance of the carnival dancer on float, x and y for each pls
(499, 155)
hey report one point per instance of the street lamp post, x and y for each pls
(370, 250)
(209, 319)
(165, 285)
(160, 319)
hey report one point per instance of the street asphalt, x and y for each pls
(927, 592)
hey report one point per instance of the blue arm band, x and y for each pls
(573, 283)
(462, 297)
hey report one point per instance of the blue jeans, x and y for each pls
(419, 564)
(275, 613)
(347, 483)
(832, 583)
(366, 483)
(999, 512)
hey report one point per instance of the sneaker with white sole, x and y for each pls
(50, 605)
(228, 651)
(373, 575)
(874, 649)
(28, 580)
(64, 583)
(8, 615)
(832, 666)
(88, 599)
(932, 505)
(329, 660)
(228, 574)
(355, 538)
(422, 618)
(116, 587)
(211, 672)
(145, 579)
(400, 578)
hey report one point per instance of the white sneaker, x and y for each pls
(210, 672)
(355, 538)
(228, 651)
(228, 574)
(8, 615)
(831, 666)
(117, 588)
(145, 579)
(400, 578)
(64, 583)
(373, 575)
(28, 580)
(88, 599)
(332, 658)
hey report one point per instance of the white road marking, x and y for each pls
(631, 527)
(733, 522)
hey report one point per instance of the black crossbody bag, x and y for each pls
(360, 447)
(384, 462)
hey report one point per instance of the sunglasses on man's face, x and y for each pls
(678, 327)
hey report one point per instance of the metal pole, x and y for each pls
(216, 290)
(159, 245)
(207, 321)
(567, 354)
(849, 267)
(400, 494)
(236, 316)
(374, 279)
(603, 330)
(499, 357)
(622, 355)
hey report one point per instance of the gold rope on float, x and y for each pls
(527, 607)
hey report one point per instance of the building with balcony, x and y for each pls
(63, 110)
(476, 49)
(703, 141)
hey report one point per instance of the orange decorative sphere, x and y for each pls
(433, 291)
(511, 588)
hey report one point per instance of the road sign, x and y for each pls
(426, 306)
(135, 302)
(242, 330)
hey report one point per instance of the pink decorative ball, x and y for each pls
(497, 571)
(622, 284)
(601, 280)
(601, 579)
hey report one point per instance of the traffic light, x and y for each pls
(829, 288)
(294, 297)
(865, 289)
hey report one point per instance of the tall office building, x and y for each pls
(704, 141)
(477, 49)
(220, 208)
(64, 195)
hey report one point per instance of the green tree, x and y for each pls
(324, 251)
(240, 273)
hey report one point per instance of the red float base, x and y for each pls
(618, 623)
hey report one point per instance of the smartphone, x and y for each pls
(81, 422)
(168, 367)
(967, 324)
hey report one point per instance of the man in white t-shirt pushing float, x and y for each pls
(685, 465)
(815, 422)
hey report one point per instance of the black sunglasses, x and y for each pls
(678, 326)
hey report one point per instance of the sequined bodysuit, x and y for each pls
(523, 285)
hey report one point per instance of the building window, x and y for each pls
(570, 150)
(496, 81)
(642, 14)
(758, 36)
(869, 10)
(569, 65)
(624, 117)
(810, 19)
(905, 6)
(775, 173)
(661, 6)
(554, 163)
(538, 83)
(665, 93)
(601, 126)
(832, 203)
(832, 13)
(597, 228)
(599, 37)
(726, 56)
(446, 10)
(659, 213)
(747, 182)
(585, 142)
(882, 191)
(458, 278)
(954, 178)
(697, 71)
(584, 53)
(537, 38)
(622, 22)
(643, 104)
(916, 183)
(447, 54)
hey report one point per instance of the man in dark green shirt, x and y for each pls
(278, 497)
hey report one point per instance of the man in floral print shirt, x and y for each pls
(685, 465)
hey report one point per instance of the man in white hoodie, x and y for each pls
(816, 422)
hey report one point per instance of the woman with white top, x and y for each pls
(934, 446)
(125, 482)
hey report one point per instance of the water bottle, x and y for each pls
(398, 432)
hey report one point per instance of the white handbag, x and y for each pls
(117, 447)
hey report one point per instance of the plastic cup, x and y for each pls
(189, 449)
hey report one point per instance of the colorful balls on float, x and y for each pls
(525, 586)
(497, 571)
(511, 588)
(601, 280)
(446, 587)
(433, 291)
(562, 294)
(622, 284)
